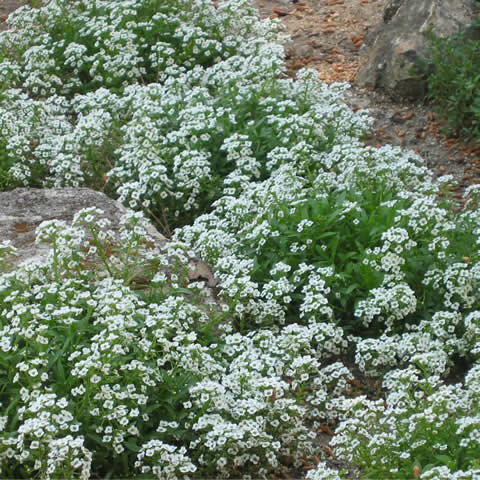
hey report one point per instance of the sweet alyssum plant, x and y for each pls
(360, 240)
(68, 47)
(113, 364)
(65, 67)
(174, 141)
(423, 427)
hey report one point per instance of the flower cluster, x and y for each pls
(97, 371)
(67, 47)
(254, 413)
(385, 255)
(65, 67)
(421, 424)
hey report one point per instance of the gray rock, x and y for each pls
(7, 7)
(398, 54)
(304, 51)
(22, 210)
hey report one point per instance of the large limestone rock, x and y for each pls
(396, 51)
(22, 210)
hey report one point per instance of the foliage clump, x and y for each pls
(454, 82)
(112, 363)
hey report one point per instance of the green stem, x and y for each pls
(101, 252)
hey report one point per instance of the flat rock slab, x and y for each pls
(22, 210)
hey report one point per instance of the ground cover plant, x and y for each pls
(95, 372)
(454, 82)
(333, 260)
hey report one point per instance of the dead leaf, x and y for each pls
(274, 396)
(280, 12)
(22, 227)
(326, 429)
(329, 451)
(357, 39)
(354, 382)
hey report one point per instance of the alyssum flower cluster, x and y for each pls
(96, 373)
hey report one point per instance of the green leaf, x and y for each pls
(96, 438)
(445, 459)
(61, 352)
(347, 256)
(182, 290)
(132, 445)
(60, 372)
(332, 247)
(461, 457)
(351, 288)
